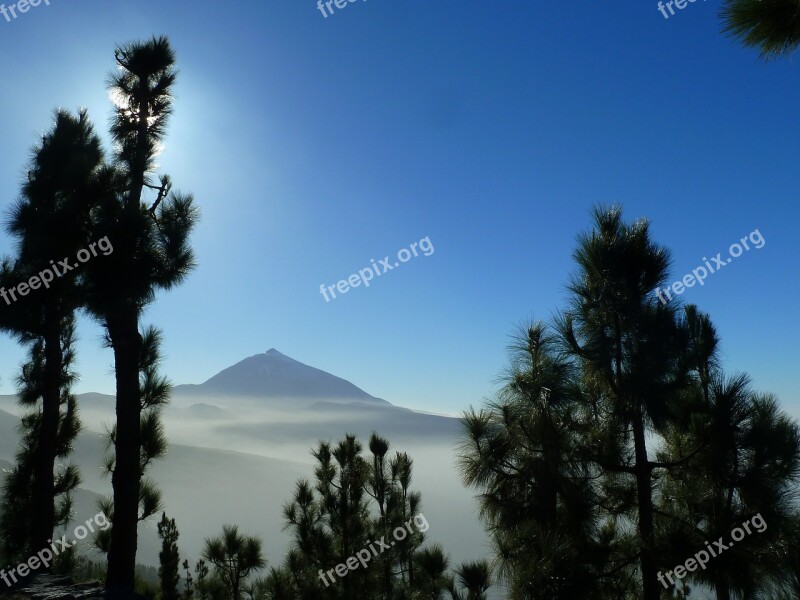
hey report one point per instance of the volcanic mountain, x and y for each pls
(275, 376)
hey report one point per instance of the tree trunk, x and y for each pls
(126, 480)
(552, 459)
(43, 496)
(645, 500)
(722, 589)
(123, 328)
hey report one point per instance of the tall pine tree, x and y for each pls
(151, 253)
(51, 221)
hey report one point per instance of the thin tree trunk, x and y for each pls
(550, 453)
(236, 587)
(43, 496)
(645, 500)
(723, 591)
(126, 480)
(347, 581)
(125, 338)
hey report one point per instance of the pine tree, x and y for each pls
(631, 351)
(234, 557)
(621, 439)
(188, 584)
(169, 558)
(749, 465)
(432, 567)
(474, 578)
(202, 586)
(524, 454)
(771, 26)
(355, 504)
(151, 252)
(51, 221)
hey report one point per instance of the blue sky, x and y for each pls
(313, 145)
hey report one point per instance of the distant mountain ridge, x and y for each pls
(274, 375)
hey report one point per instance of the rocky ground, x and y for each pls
(53, 587)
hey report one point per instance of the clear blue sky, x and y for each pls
(315, 144)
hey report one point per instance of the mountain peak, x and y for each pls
(275, 375)
(276, 354)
